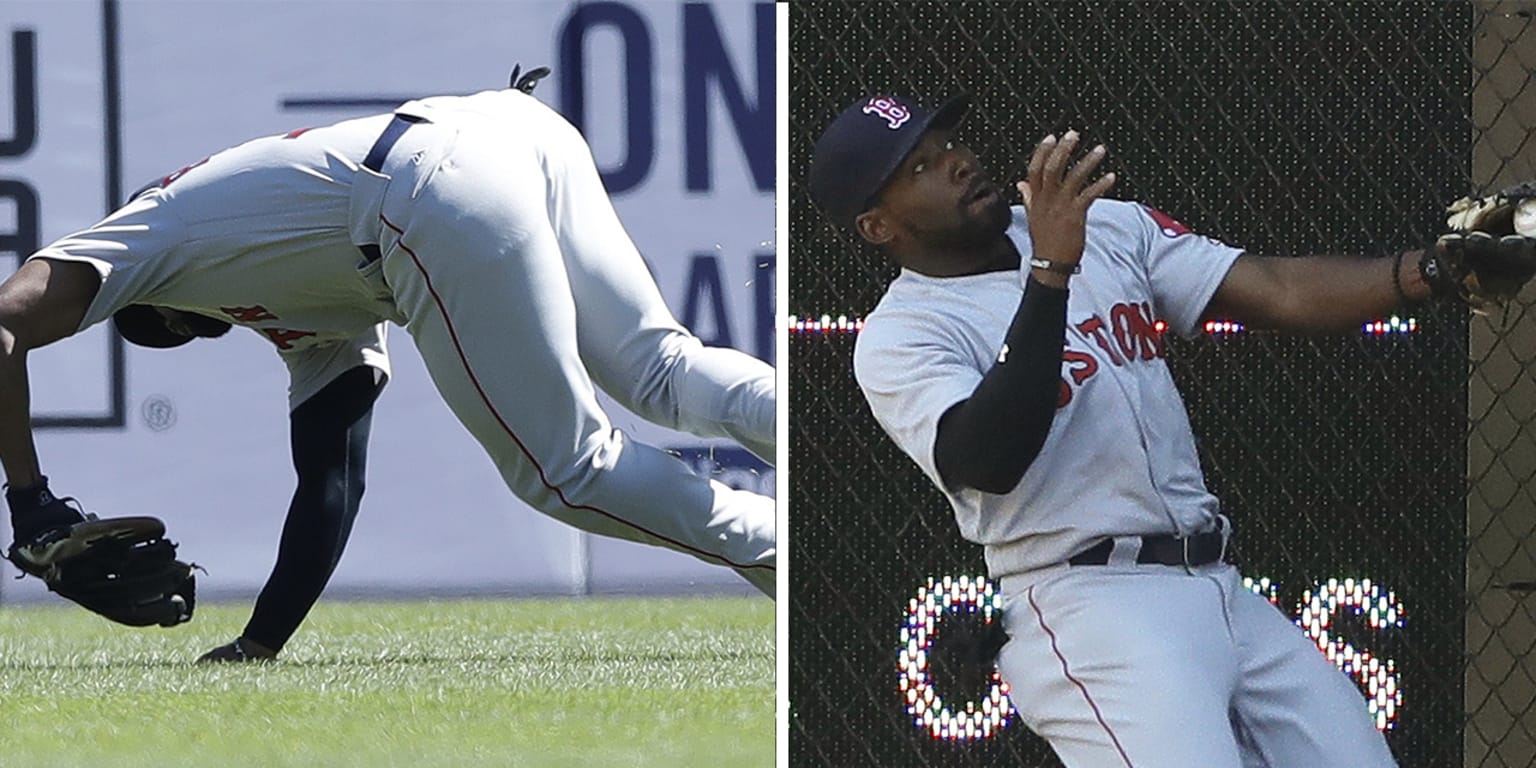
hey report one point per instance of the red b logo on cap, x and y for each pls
(894, 113)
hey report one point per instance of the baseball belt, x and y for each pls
(1188, 551)
(374, 161)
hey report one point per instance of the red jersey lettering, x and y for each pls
(1094, 327)
(248, 314)
(283, 337)
(1083, 365)
(165, 182)
(1146, 330)
(1124, 320)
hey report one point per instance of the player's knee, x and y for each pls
(589, 465)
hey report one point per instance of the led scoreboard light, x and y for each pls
(929, 711)
(946, 719)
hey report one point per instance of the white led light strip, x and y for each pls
(1315, 616)
(842, 324)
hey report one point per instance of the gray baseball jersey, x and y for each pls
(1120, 664)
(268, 230)
(1120, 457)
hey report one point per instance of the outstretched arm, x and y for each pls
(329, 436)
(1315, 294)
(42, 302)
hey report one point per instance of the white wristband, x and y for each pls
(1057, 267)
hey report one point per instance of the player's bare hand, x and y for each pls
(1057, 194)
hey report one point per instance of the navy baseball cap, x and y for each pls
(859, 151)
(142, 325)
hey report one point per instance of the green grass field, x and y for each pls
(581, 682)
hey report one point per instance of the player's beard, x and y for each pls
(973, 230)
(995, 219)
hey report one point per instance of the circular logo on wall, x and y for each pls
(158, 413)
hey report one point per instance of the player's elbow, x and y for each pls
(998, 482)
(9, 346)
(988, 452)
(985, 471)
(13, 371)
(14, 329)
(19, 333)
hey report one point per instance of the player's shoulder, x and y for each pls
(1122, 225)
(1136, 216)
(898, 319)
(914, 307)
(876, 339)
(890, 316)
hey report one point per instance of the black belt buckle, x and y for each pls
(1189, 567)
(1221, 553)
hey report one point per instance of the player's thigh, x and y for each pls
(1297, 709)
(477, 272)
(1115, 667)
(624, 321)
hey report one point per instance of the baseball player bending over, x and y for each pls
(480, 224)
(1018, 346)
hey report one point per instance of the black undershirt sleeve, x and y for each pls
(988, 440)
(329, 437)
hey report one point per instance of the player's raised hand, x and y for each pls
(1057, 196)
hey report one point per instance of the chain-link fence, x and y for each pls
(1362, 470)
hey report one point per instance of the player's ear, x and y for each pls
(874, 226)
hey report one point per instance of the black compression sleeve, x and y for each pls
(329, 437)
(988, 440)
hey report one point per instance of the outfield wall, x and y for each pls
(677, 101)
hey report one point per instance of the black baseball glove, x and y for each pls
(1490, 253)
(122, 568)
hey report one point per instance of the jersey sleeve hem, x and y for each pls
(96, 312)
(1190, 327)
